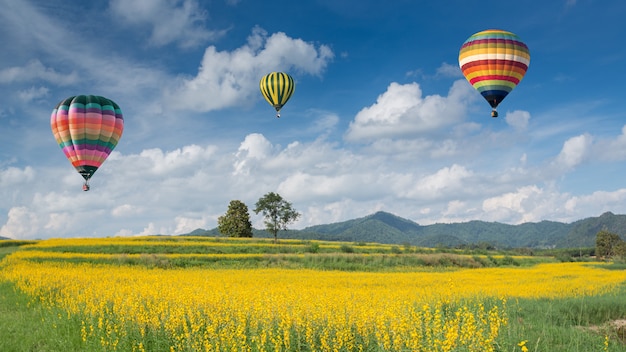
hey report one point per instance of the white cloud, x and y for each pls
(232, 78)
(254, 148)
(34, 70)
(612, 149)
(33, 94)
(60, 222)
(509, 205)
(171, 192)
(324, 122)
(597, 202)
(186, 224)
(127, 210)
(13, 176)
(449, 70)
(446, 182)
(302, 186)
(149, 230)
(518, 119)
(574, 152)
(21, 223)
(170, 21)
(401, 111)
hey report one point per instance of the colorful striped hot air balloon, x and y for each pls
(87, 128)
(494, 62)
(277, 88)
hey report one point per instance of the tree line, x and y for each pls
(277, 213)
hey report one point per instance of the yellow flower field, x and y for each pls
(281, 309)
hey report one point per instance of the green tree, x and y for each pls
(606, 244)
(620, 250)
(236, 221)
(278, 213)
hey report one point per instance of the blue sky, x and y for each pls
(381, 117)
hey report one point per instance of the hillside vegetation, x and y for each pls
(383, 227)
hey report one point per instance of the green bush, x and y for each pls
(346, 248)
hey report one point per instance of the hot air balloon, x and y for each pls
(87, 128)
(494, 62)
(277, 88)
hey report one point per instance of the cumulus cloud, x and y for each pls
(186, 224)
(13, 176)
(230, 78)
(444, 183)
(21, 223)
(178, 21)
(597, 202)
(255, 147)
(401, 111)
(176, 191)
(511, 204)
(574, 151)
(303, 186)
(518, 119)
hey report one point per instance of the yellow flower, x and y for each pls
(522, 344)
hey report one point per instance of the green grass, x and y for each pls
(4, 251)
(339, 260)
(573, 324)
(26, 326)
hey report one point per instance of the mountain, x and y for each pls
(379, 227)
(388, 228)
(544, 234)
(383, 227)
(583, 232)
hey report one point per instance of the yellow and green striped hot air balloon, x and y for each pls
(494, 62)
(277, 88)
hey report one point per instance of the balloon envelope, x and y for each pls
(87, 128)
(494, 62)
(277, 88)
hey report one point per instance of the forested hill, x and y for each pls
(384, 227)
(388, 228)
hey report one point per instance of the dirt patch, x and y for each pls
(620, 328)
(614, 328)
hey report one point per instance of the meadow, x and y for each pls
(183, 293)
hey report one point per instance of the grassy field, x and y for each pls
(220, 294)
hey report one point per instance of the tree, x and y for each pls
(278, 213)
(606, 244)
(236, 221)
(620, 250)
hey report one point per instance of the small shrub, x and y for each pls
(508, 260)
(346, 248)
(313, 247)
